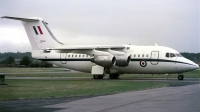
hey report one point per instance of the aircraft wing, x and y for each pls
(92, 50)
(90, 47)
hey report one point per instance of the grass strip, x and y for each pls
(34, 89)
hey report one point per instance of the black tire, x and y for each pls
(95, 76)
(180, 77)
(98, 76)
(114, 76)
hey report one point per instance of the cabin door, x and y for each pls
(154, 57)
(63, 58)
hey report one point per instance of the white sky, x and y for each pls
(171, 23)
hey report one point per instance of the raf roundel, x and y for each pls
(143, 63)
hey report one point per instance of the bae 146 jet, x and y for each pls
(103, 59)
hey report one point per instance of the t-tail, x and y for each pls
(38, 33)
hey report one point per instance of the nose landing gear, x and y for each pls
(180, 77)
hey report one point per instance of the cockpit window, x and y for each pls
(172, 55)
(178, 55)
(167, 55)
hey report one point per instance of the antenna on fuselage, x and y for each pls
(156, 44)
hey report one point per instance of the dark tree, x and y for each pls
(17, 55)
(9, 60)
(45, 64)
(25, 61)
(34, 64)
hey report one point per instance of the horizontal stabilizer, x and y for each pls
(22, 19)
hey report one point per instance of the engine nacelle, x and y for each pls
(123, 61)
(105, 61)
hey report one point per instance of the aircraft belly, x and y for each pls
(82, 66)
(136, 68)
(183, 67)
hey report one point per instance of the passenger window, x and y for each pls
(172, 55)
(143, 55)
(138, 55)
(83, 55)
(147, 55)
(68, 55)
(72, 55)
(167, 55)
(134, 55)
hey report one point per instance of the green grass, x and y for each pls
(31, 89)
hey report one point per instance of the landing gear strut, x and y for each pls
(180, 77)
(98, 76)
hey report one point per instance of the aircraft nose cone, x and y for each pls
(193, 66)
(197, 66)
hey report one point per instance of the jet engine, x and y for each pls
(123, 61)
(105, 61)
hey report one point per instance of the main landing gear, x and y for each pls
(180, 77)
(111, 76)
(98, 76)
(114, 76)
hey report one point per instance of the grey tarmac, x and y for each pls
(166, 99)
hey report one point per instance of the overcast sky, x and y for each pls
(171, 23)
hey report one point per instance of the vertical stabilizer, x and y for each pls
(38, 33)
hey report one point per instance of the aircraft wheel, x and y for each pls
(180, 77)
(114, 76)
(98, 76)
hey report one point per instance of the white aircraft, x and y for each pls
(105, 59)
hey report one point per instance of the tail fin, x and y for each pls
(38, 33)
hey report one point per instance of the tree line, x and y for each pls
(195, 57)
(17, 55)
(25, 61)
